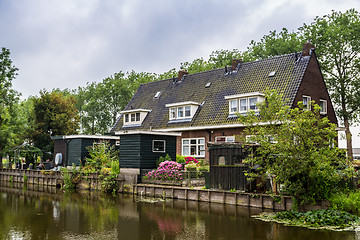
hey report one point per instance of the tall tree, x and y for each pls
(8, 99)
(337, 40)
(274, 44)
(55, 114)
(100, 104)
(295, 146)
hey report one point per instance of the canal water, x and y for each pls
(47, 213)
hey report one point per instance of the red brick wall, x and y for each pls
(313, 85)
(206, 134)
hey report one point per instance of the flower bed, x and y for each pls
(167, 171)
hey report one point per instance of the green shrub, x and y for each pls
(191, 167)
(203, 168)
(71, 177)
(109, 183)
(163, 159)
(115, 167)
(348, 201)
(180, 159)
(25, 179)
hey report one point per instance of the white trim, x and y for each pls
(245, 95)
(181, 104)
(196, 145)
(207, 127)
(105, 137)
(158, 141)
(325, 104)
(129, 132)
(308, 104)
(135, 110)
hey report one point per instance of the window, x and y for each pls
(134, 116)
(182, 111)
(252, 103)
(243, 105)
(172, 113)
(187, 111)
(323, 106)
(193, 147)
(158, 146)
(244, 102)
(225, 139)
(233, 106)
(307, 102)
(157, 95)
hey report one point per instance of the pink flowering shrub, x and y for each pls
(191, 160)
(168, 171)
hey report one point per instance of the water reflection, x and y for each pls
(50, 214)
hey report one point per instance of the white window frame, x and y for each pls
(246, 98)
(226, 139)
(134, 116)
(157, 94)
(187, 109)
(198, 152)
(308, 102)
(323, 109)
(178, 110)
(236, 101)
(153, 147)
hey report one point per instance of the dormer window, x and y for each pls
(241, 103)
(183, 111)
(134, 117)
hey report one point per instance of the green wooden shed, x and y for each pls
(73, 148)
(140, 149)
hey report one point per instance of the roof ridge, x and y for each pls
(217, 69)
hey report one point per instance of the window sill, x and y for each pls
(180, 120)
(132, 125)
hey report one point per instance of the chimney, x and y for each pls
(235, 62)
(182, 73)
(307, 47)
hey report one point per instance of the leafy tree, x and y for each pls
(55, 114)
(91, 106)
(337, 40)
(296, 146)
(8, 100)
(274, 44)
(100, 104)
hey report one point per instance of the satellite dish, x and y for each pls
(58, 158)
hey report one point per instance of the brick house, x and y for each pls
(202, 106)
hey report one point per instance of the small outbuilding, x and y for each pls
(72, 149)
(139, 150)
(227, 170)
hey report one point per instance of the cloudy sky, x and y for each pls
(67, 43)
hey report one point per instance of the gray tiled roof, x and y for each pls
(250, 77)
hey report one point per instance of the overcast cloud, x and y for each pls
(67, 43)
(64, 44)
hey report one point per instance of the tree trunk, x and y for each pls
(348, 136)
